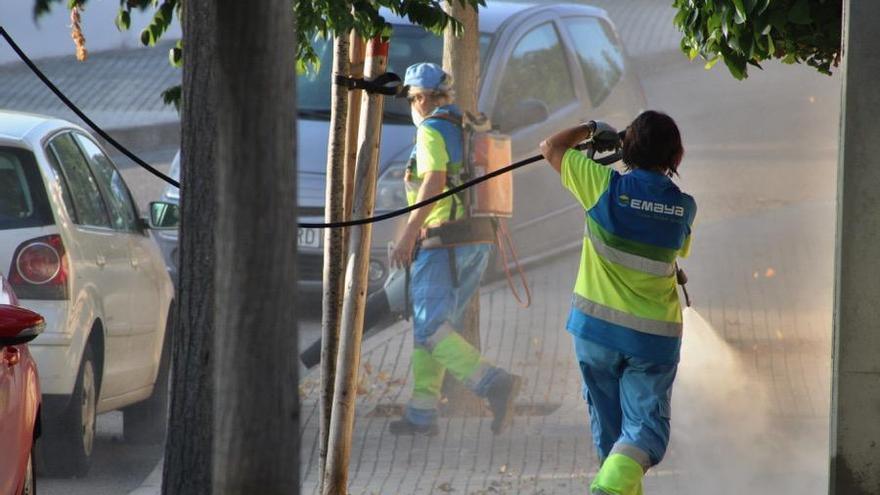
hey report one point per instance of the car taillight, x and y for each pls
(39, 269)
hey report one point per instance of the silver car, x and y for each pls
(545, 67)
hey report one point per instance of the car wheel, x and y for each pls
(30, 481)
(68, 441)
(146, 422)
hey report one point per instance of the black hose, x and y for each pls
(605, 160)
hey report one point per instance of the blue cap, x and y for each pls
(426, 75)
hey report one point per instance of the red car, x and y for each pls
(19, 394)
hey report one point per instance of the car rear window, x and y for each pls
(23, 201)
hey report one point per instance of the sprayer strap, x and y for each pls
(624, 319)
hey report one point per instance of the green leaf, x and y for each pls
(762, 6)
(175, 55)
(711, 63)
(692, 53)
(740, 10)
(737, 67)
(799, 13)
(681, 17)
(725, 21)
(42, 7)
(778, 19)
(173, 96)
(747, 32)
(733, 42)
(714, 22)
(123, 20)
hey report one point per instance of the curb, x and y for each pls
(152, 485)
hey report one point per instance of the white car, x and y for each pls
(78, 253)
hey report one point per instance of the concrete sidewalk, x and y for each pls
(750, 405)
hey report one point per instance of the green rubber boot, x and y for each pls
(619, 475)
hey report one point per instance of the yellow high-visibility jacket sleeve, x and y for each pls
(431, 155)
(585, 178)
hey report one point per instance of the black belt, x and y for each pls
(459, 232)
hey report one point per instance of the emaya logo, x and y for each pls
(650, 206)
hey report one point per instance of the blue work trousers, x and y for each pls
(438, 309)
(628, 400)
(435, 298)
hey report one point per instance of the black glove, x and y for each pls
(603, 136)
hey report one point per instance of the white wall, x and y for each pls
(50, 35)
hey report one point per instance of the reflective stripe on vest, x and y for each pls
(617, 317)
(629, 260)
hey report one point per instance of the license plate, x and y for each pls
(309, 238)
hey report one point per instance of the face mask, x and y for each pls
(416, 116)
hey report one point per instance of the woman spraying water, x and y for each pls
(625, 316)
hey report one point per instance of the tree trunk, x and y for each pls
(461, 58)
(334, 255)
(348, 361)
(187, 467)
(357, 51)
(461, 55)
(256, 432)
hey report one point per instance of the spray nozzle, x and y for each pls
(603, 138)
(682, 279)
(680, 276)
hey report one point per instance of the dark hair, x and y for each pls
(653, 142)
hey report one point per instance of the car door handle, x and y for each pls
(101, 260)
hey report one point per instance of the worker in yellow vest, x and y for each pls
(625, 316)
(446, 255)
